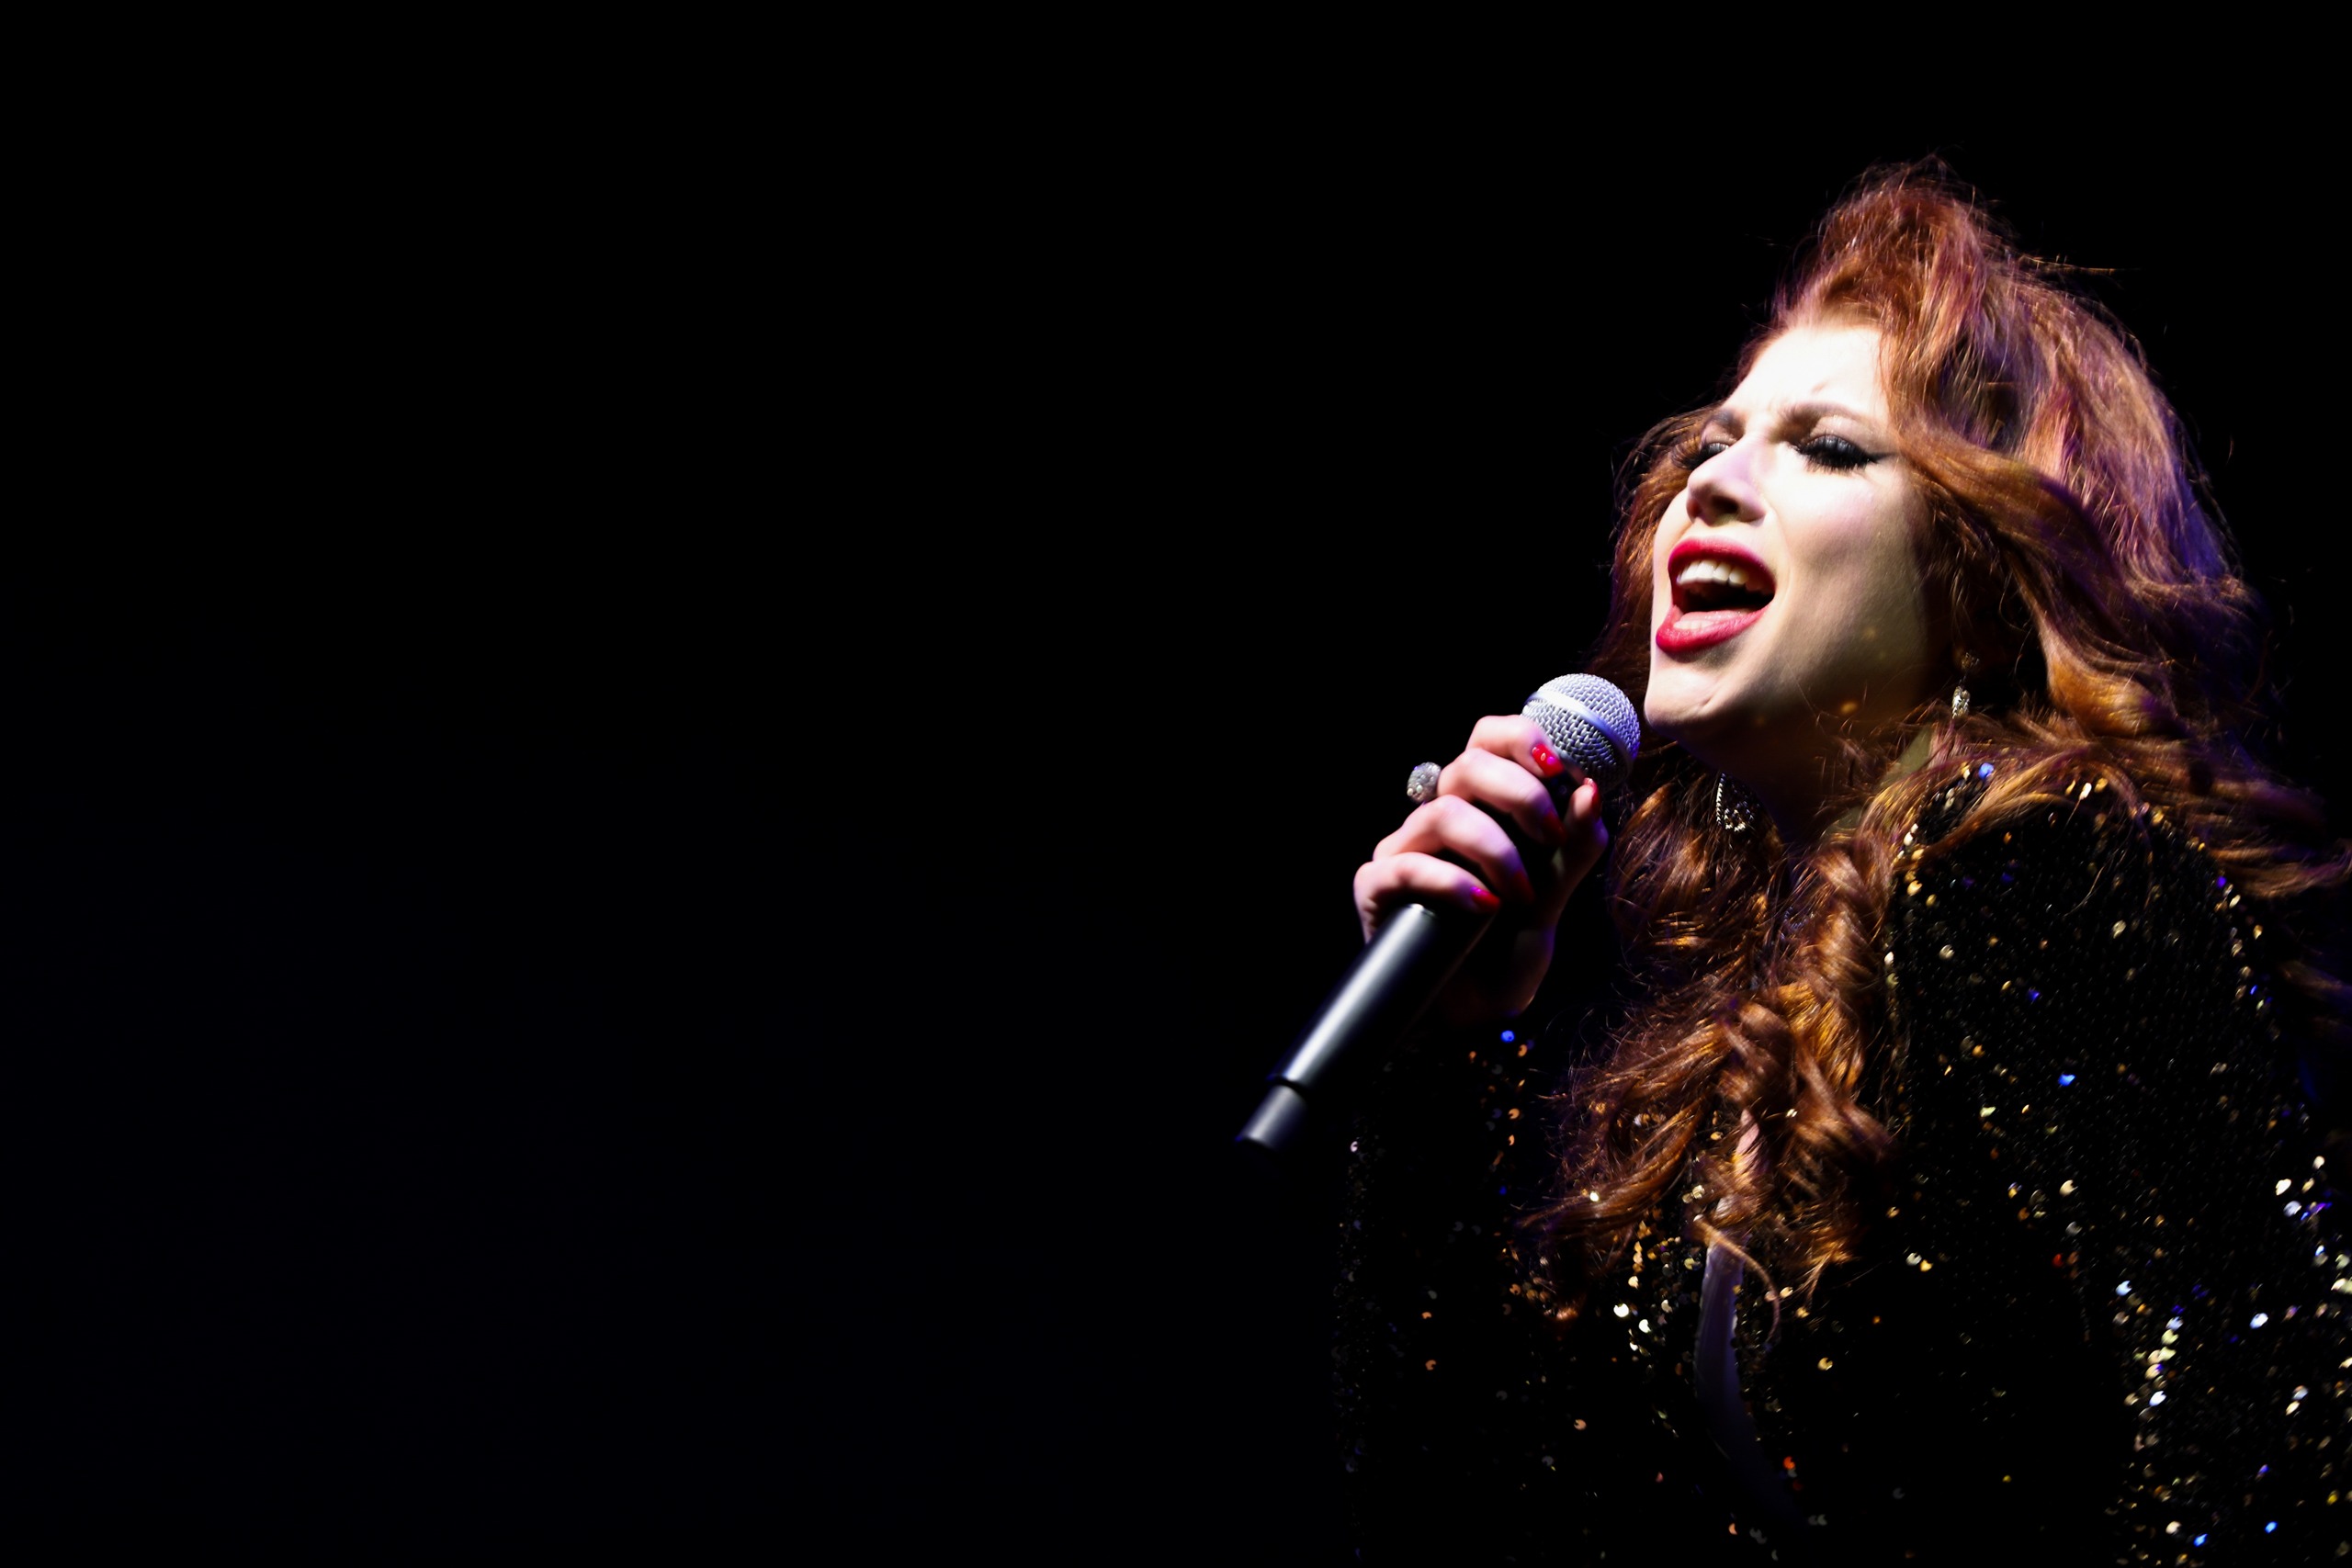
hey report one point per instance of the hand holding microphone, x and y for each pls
(1513, 828)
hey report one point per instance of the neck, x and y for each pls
(1798, 798)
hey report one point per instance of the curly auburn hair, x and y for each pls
(2067, 549)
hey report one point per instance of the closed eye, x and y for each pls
(1823, 451)
(1834, 452)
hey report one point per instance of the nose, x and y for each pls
(1723, 489)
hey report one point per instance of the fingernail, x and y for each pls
(1484, 899)
(1546, 759)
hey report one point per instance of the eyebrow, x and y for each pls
(1805, 413)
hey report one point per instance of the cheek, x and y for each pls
(1874, 582)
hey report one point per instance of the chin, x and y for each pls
(1719, 726)
(1677, 706)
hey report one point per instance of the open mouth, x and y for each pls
(1713, 582)
(1717, 590)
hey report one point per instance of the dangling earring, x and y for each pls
(1735, 808)
(1967, 662)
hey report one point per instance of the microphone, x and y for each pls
(1408, 960)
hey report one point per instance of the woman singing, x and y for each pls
(1950, 1187)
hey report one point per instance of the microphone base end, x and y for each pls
(1279, 1123)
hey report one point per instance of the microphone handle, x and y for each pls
(1405, 964)
(1391, 984)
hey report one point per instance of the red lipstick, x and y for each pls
(1689, 626)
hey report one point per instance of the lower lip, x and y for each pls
(1687, 632)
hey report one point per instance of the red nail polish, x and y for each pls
(1545, 759)
(1484, 899)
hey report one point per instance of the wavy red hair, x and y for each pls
(2069, 551)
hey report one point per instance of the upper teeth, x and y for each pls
(1710, 570)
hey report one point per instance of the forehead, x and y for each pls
(1831, 364)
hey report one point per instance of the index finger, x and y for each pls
(1523, 742)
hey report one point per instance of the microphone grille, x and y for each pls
(1590, 724)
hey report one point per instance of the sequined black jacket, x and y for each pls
(2101, 1321)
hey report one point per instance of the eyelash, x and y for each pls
(1833, 452)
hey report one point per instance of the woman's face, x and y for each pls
(1784, 583)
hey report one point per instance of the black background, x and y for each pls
(663, 804)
